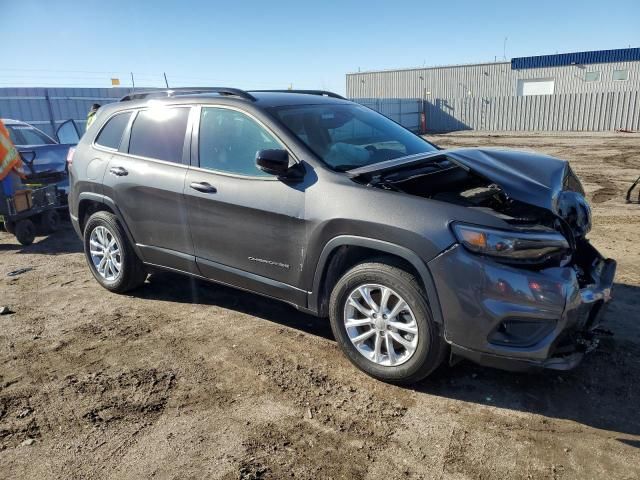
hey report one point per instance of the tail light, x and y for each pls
(70, 153)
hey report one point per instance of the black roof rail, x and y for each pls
(172, 92)
(323, 93)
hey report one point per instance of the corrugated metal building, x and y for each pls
(583, 72)
(589, 90)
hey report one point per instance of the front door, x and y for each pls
(146, 178)
(247, 226)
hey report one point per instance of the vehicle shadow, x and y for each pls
(602, 392)
(62, 241)
(161, 286)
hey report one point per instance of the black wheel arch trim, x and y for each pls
(107, 201)
(410, 256)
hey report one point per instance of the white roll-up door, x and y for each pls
(536, 86)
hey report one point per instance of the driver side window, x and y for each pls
(229, 141)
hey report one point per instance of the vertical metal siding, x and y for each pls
(30, 104)
(565, 112)
(485, 80)
(484, 96)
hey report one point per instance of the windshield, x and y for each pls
(23, 135)
(350, 136)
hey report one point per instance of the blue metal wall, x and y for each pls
(47, 108)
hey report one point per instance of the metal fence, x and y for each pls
(405, 111)
(47, 108)
(598, 111)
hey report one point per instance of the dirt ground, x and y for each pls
(190, 380)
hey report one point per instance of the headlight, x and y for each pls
(510, 245)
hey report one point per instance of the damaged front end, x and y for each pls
(530, 294)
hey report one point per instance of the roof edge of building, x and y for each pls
(433, 67)
(630, 54)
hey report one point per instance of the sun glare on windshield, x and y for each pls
(350, 136)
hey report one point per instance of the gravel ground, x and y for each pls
(189, 380)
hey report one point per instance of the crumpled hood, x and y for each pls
(48, 159)
(529, 177)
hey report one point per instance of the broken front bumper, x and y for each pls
(518, 319)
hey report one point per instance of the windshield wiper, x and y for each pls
(344, 167)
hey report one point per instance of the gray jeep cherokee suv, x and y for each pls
(413, 252)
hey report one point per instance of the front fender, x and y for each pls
(382, 246)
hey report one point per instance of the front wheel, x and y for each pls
(109, 254)
(382, 321)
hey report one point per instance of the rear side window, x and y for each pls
(159, 133)
(111, 134)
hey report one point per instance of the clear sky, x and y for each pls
(272, 44)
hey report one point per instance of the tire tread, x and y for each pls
(134, 273)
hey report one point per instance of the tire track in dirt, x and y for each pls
(18, 423)
(335, 420)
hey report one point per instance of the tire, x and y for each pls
(131, 274)
(429, 348)
(25, 232)
(9, 227)
(49, 222)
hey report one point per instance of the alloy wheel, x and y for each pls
(381, 325)
(105, 253)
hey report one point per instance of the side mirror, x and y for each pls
(274, 162)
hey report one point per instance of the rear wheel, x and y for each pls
(382, 321)
(110, 256)
(25, 232)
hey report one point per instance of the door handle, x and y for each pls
(118, 171)
(203, 187)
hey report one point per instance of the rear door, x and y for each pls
(68, 133)
(247, 226)
(145, 178)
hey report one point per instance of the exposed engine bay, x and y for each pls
(559, 207)
(444, 180)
